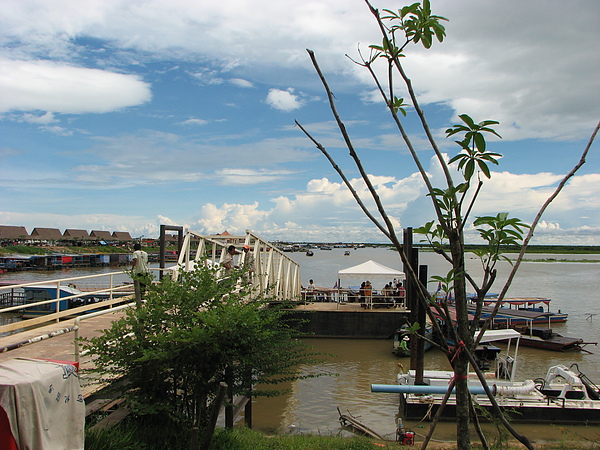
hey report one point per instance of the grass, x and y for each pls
(153, 435)
(131, 434)
(34, 250)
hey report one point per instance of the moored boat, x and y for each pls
(69, 297)
(562, 396)
(401, 345)
(546, 339)
(521, 311)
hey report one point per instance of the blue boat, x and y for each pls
(72, 296)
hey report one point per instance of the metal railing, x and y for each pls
(275, 274)
(114, 292)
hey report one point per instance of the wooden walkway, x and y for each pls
(60, 347)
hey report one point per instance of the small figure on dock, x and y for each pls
(228, 261)
(139, 270)
(249, 264)
(310, 291)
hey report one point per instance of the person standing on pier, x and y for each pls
(228, 261)
(139, 271)
(249, 264)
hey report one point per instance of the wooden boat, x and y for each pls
(521, 311)
(546, 339)
(401, 345)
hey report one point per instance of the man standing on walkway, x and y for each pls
(249, 264)
(228, 261)
(139, 271)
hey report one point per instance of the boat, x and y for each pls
(520, 311)
(347, 253)
(401, 345)
(309, 253)
(563, 396)
(546, 339)
(70, 296)
(326, 247)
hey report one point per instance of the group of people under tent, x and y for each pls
(393, 293)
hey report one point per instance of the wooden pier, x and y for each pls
(56, 342)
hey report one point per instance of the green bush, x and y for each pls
(191, 335)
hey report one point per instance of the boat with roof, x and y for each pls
(564, 395)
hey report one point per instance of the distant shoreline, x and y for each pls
(469, 248)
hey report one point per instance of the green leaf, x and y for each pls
(479, 142)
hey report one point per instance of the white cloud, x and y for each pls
(60, 88)
(325, 211)
(239, 82)
(44, 119)
(199, 122)
(284, 100)
(61, 131)
(246, 177)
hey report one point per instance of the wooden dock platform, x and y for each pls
(60, 347)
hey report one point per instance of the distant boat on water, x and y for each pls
(35, 294)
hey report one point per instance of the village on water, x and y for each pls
(61, 310)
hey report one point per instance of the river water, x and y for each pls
(572, 286)
(311, 405)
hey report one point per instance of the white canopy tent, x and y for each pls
(369, 270)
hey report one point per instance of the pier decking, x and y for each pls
(61, 347)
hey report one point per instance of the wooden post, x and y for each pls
(422, 319)
(248, 407)
(229, 405)
(212, 422)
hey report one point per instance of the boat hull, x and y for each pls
(586, 412)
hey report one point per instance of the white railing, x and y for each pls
(276, 274)
(115, 292)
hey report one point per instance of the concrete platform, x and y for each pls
(60, 347)
(348, 320)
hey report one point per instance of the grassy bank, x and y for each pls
(131, 435)
(47, 250)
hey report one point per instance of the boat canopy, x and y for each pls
(500, 335)
(529, 301)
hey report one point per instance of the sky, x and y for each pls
(123, 115)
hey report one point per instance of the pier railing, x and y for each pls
(105, 289)
(275, 273)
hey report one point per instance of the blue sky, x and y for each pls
(121, 116)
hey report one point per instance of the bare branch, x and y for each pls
(545, 206)
(390, 228)
(346, 182)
